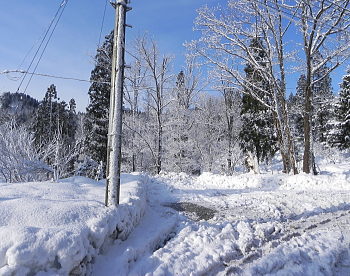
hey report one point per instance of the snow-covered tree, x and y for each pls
(342, 139)
(157, 94)
(180, 146)
(322, 102)
(296, 110)
(322, 105)
(230, 112)
(97, 112)
(55, 126)
(258, 132)
(20, 157)
(134, 84)
(226, 36)
(325, 29)
(209, 134)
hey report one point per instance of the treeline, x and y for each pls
(172, 123)
(39, 140)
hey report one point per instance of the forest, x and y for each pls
(228, 111)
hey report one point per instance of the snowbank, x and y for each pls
(267, 224)
(51, 228)
(335, 177)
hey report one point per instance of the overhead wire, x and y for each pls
(102, 24)
(42, 41)
(64, 5)
(24, 59)
(89, 81)
(269, 4)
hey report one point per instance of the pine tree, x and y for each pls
(296, 107)
(45, 124)
(54, 131)
(322, 100)
(343, 114)
(96, 122)
(322, 104)
(258, 133)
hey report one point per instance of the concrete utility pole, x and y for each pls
(116, 105)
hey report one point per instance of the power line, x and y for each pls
(42, 42)
(102, 24)
(51, 76)
(64, 5)
(93, 81)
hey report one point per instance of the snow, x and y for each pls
(267, 224)
(48, 228)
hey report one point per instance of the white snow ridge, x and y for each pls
(175, 224)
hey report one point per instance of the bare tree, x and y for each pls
(324, 26)
(64, 156)
(157, 93)
(20, 159)
(134, 85)
(231, 110)
(226, 36)
(180, 146)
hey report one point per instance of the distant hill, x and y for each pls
(17, 105)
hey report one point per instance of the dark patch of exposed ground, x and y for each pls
(200, 212)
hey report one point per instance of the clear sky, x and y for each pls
(73, 45)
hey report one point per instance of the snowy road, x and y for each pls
(295, 225)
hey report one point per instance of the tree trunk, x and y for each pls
(307, 158)
(159, 147)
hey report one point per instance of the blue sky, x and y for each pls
(71, 50)
(75, 40)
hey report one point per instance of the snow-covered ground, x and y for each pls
(261, 224)
(175, 224)
(49, 228)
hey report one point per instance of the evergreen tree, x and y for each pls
(54, 118)
(296, 107)
(72, 121)
(45, 125)
(258, 132)
(96, 122)
(54, 130)
(322, 100)
(322, 104)
(342, 139)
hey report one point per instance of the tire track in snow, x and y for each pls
(290, 230)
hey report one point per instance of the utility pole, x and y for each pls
(116, 105)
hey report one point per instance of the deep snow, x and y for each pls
(53, 228)
(268, 224)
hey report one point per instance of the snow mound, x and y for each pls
(51, 228)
